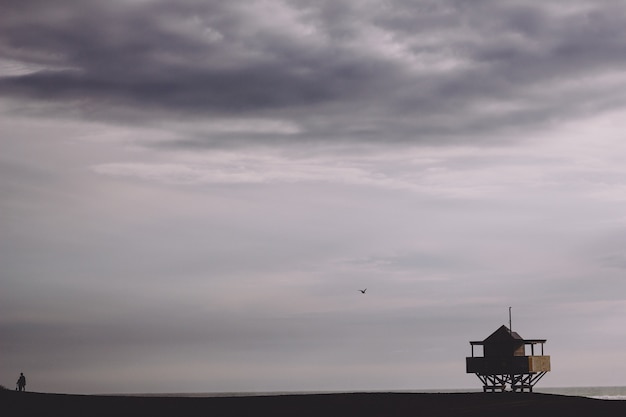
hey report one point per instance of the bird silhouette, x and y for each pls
(363, 291)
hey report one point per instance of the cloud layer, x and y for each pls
(428, 71)
(193, 192)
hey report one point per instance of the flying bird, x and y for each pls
(363, 291)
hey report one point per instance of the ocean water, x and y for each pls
(603, 393)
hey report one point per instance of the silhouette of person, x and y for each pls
(21, 382)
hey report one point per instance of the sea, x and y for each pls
(602, 393)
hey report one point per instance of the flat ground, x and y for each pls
(14, 403)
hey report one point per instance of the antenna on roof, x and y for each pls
(510, 326)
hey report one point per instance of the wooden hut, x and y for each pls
(505, 361)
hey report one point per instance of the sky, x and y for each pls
(193, 193)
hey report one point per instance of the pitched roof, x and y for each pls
(503, 333)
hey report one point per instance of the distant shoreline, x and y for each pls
(602, 392)
(281, 393)
(373, 404)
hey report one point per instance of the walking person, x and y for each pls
(21, 382)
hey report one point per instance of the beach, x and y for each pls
(322, 405)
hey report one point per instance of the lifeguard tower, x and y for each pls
(505, 361)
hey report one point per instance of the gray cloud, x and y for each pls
(419, 72)
(159, 234)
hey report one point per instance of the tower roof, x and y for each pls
(504, 335)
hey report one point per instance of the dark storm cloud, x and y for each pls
(343, 70)
(134, 57)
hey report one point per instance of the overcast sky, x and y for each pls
(193, 192)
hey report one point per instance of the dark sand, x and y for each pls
(16, 404)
